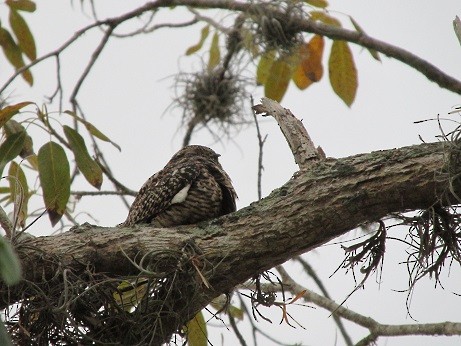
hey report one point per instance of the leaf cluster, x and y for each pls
(18, 42)
(272, 34)
(50, 163)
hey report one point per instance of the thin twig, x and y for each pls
(311, 272)
(103, 193)
(236, 330)
(94, 57)
(261, 142)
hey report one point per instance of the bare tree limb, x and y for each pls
(376, 329)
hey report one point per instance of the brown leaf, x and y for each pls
(310, 68)
(9, 111)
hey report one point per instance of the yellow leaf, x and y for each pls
(203, 36)
(278, 78)
(324, 18)
(357, 27)
(196, 331)
(310, 68)
(317, 3)
(215, 55)
(23, 34)
(264, 66)
(129, 295)
(54, 174)
(343, 73)
(9, 111)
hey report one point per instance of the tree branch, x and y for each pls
(431, 72)
(316, 205)
(305, 25)
(376, 329)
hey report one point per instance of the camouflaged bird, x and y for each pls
(192, 187)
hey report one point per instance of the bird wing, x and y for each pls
(228, 193)
(160, 191)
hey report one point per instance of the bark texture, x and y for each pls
(318, 204)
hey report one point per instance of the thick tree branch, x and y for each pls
(315, 206)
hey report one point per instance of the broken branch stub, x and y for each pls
(301, 145)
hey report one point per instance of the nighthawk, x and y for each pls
(192, 187)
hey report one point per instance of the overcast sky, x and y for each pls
(129, 90)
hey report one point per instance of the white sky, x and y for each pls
(130, 88)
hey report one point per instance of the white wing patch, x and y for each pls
(181, 195)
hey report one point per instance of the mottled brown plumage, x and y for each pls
(192, 187)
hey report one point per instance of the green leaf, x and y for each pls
(4, 336)
(12, 126)
(85, 163)
(317, 3)
(264, 67)
(196, 47)
(357, 27)
(4, 190)
(9, 111)
(196, 331)
(22, 5)
(343, 73)
(93, 130)
(19, 192)
(215, 55)
(23, 34)
(278, 78)
(249, 42)
(54, 174)
(13, 54)
(10, 267)
(11, 148)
